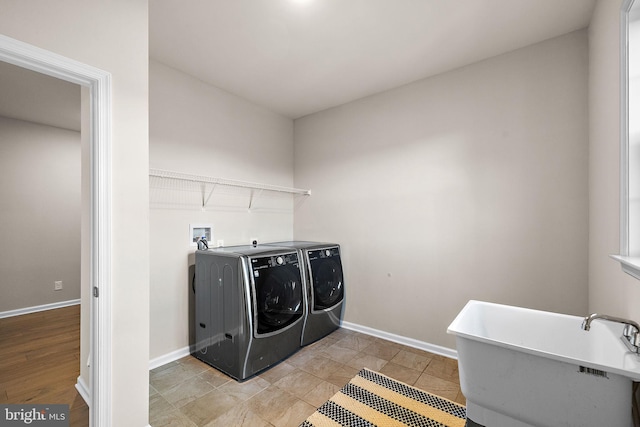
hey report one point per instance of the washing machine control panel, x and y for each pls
(274, 261)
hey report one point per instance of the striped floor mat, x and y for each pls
(372, 399)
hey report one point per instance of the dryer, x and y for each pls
(249, 307)
(324, 285)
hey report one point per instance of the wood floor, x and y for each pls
(39, 363)
(40, 360)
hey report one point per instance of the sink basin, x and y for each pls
(521, 367)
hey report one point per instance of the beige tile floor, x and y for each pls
(188, 393)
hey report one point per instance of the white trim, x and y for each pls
(169, 357)
(624, 127)
(410, 342)
(630, 265)
(83, 390)
(37, 308)
(101, 335)
(99, 84)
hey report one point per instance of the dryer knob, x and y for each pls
(280, 260)
(327, 252)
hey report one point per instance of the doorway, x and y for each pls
(96, 86)
(40, 249)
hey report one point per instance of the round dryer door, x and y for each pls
(279, 299)
(328, 282)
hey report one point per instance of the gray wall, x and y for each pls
(472, 184)
(199, 129)
(95, 33)
(40, 214)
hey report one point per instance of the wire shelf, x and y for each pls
(171, 189)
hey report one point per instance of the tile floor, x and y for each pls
(188, 393)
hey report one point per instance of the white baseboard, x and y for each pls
(37, 308)
(410, 342)
(169, 357)
(432, 348)
(83, 390)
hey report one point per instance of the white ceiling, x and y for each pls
(298, 57)
(34, 97)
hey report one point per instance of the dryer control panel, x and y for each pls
(324, 253)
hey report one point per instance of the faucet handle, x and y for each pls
(632, 334)
(585, 324)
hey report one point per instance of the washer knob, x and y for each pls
(327, 252)
(280, 260)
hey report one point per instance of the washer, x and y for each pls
(249, 307)
(324, 284)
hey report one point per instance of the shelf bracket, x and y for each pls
(204, 202)
(251, 197)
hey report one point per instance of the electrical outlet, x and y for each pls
(57, 285)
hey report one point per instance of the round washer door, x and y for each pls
(278, 298)
(328, 285)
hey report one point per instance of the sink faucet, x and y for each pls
(630, 334)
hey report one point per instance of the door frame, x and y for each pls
(99, 84)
